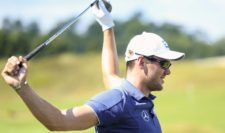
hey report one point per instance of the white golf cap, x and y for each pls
(150, 44)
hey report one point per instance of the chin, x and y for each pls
(159, 88)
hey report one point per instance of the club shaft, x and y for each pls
(42, 46)
(34, 52)
(65, 27)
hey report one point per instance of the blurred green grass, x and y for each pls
(192, 100)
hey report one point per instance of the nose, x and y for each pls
(167, 71)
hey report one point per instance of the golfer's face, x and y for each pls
(155, 75)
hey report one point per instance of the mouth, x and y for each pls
(162, 79)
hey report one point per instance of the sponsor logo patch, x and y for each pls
(165, 44)
(130, 53)
(145, 115)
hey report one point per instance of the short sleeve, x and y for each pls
(108, 106)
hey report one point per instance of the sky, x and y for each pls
(203, 15)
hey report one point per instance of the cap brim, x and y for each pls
(171, 55)
(130, 58)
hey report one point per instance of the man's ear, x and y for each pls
(141, 61)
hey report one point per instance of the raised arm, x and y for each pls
(110, 67)
(77, 118)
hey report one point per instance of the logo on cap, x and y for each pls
(130, 53)
(145, 115)
(165, 44)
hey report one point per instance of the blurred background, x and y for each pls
(193, 97)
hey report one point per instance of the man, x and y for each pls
(127, 107)
(130, 107)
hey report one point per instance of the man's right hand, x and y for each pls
(15, 72)
(102, 15)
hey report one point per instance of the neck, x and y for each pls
(136, 82)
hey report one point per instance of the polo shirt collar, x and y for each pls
(134, 92)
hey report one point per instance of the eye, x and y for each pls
(165, 64)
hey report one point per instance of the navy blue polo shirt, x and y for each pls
(124, 109)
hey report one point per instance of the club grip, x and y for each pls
(34, 52)
(107, 5)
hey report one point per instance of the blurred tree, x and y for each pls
(2, 53)
(92, 41)
(126, 30)
(18, 39)
(4, 37)
(219, 47)
(15, 38)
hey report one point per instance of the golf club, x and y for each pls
(43, 45)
